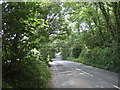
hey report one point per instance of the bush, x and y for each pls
(106, 58)
(29, 73)
(76, 51)
(65, 53)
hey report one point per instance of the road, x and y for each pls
(68, 74)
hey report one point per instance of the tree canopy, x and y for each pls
(33, 32)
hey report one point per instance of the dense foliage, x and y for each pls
(96, 34)
(26, 46)
(34, 31)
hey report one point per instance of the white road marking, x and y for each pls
(66, 72)
(77, 69)
(85, 72)
(88, 74)
(116, 86)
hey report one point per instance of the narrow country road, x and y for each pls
(68, 74)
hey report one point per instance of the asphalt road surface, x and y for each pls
(68, 74)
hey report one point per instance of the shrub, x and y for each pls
(106, 58)
(29, 73)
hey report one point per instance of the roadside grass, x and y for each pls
(94, 63)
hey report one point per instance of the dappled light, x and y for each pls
(68, 74)
(60, 44)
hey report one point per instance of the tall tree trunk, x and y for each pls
(107, 19)
(99, 28)
(116, 11)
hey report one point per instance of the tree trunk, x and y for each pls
(106, 16)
